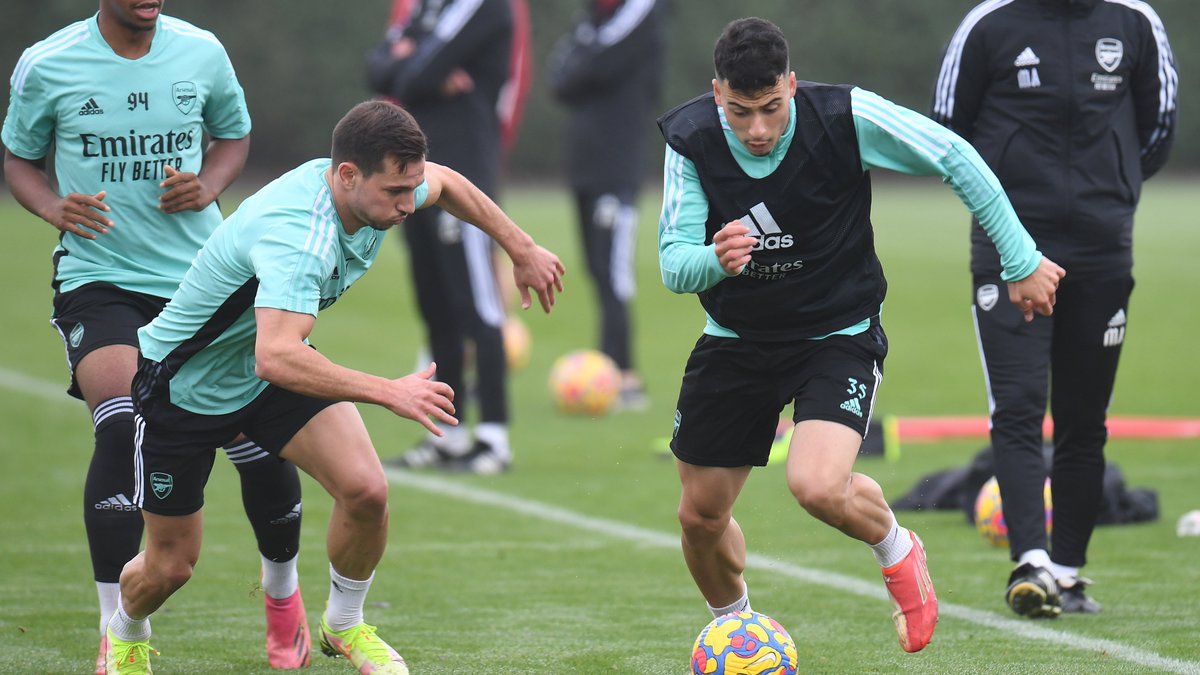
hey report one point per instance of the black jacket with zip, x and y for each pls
(463, 128)
(609, 72)
(1072, 103)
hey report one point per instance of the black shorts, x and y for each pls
(175, 447)
(99, 315)
(734, 390)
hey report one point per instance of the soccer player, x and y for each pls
(229, 353)
(608, 71)
(450, 64)
(1073, 105)
(127, 98)
(766, 216)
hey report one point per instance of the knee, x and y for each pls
(168, 571)
(698, 523)
(367, 500)
(823, 499)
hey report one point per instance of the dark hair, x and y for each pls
(374, 131)
(751, 55)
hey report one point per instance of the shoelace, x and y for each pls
(376, 650)
(140, 648)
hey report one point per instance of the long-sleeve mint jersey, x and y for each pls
(889, 137)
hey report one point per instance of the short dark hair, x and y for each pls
(751, 55)
(374, 131)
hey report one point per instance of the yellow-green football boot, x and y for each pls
(127, 658)
(360, 644)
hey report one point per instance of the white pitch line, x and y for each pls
(19, 382)
(25, 384)
(1023, 628)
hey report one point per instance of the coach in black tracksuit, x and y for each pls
(1072, 104)
(608, 71)
(447, 64)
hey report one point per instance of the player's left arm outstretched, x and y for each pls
(899, 139)
(187, 191)
(533, 266)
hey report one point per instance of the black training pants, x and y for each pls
(608, 226)
(1072, 355)
(454, 276)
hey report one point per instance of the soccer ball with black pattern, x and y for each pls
(744, 643)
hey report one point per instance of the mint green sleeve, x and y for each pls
(30, 123)
(896, 138)
(421, 195)
(289, 276)
(225, 113)
(687, 264)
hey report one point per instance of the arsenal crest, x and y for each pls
(183, 94)
(1108, 53)
(986, 296)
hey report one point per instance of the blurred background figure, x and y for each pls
(1072, 104)
(461, 68)
(608, 71)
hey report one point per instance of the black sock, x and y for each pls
(271, 497)
(112, 521)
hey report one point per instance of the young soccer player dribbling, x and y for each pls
(766, 216)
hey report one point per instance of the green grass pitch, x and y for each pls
(570, 563)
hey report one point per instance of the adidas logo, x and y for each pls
(91, 108)
(852, 406)
(117, 503)
(1115, 333)
(289, 517)
(764, 229)
(1026, 59)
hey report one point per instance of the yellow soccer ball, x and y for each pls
(989, 513)
(585, 382)
(517, 344)
(745, 643)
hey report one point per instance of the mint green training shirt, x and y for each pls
(115, 123)
(284, 248)
(889, 137)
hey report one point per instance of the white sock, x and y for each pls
(127, 629)
(346, 600)
(1038, 557)
(894, 547)
(742, 604)
(1062, 571)
(110, 597)
(279, 579)
(494, 434)
(454, 440)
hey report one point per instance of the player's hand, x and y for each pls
(733, 246)
(82, 215)
(542, 271)
(457, 82)
(419, 397)
(184, 192)
(403, 48)
(1036, 292)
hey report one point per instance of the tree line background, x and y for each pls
(301, 61)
